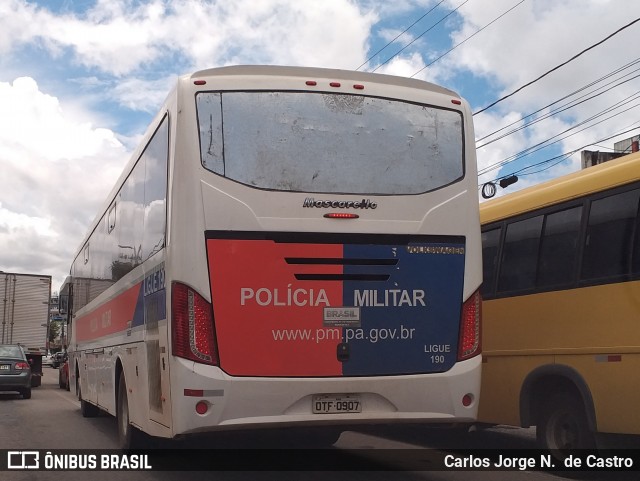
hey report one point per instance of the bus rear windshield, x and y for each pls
(329, 143)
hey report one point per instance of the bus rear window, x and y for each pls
(329, 143)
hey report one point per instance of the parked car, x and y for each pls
(15, 371)
(58, 359)
(63, 375)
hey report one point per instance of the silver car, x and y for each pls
(15, 371)
(47, 360)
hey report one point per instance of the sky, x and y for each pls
(81, 80)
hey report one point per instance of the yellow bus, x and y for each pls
(561, 290)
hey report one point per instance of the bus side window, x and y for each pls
(610, 235)
(155, 191)
(520, 255)
(210, 121)
(559, 250)
(130, 214)
(490, 249)
(635, 266)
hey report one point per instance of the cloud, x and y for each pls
(142, 94)
(531, 39)
(34, 119)
(95, 74)
(534, 38)
(57, 170)
(405, 66)
(121, 37)
(120, 54)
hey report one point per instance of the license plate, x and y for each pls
(5, 367)
(336, 404)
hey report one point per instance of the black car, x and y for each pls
(15, 371)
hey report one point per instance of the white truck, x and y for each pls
(24, 316)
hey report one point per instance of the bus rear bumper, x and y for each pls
(249, 403)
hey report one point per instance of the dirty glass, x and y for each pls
(329, 143)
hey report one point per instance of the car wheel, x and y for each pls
(26, 393)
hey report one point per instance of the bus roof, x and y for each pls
(620, 171)
(312, 73)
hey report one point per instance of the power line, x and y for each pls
(400, 34)
(565, 106)
(558, 66)
(541, 145)
(469, 37)
(419, 36)
(557, 111)
(562, 156)
(610, 74)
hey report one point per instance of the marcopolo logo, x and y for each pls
(340, 204)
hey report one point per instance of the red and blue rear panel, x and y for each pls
(334, 305)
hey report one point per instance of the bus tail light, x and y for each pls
(202, 407)
(340, 215)
(193, 331)
(470, 344)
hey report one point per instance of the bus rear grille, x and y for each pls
(336, 261)
(342, 277)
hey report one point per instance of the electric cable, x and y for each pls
(604, 77)
(558, 66)
(469, 37)
(419, 36)
(562, 108)
(562, 156)
(400, 34)
(540, 146)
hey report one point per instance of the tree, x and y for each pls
(54, 330)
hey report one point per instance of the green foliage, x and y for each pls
(54, 330)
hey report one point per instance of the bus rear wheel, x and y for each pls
(129, 437)
(562, 424)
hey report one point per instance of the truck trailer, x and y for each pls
(24, 316)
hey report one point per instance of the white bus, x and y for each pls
(288, 247)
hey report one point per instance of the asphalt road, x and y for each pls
(51, 419)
